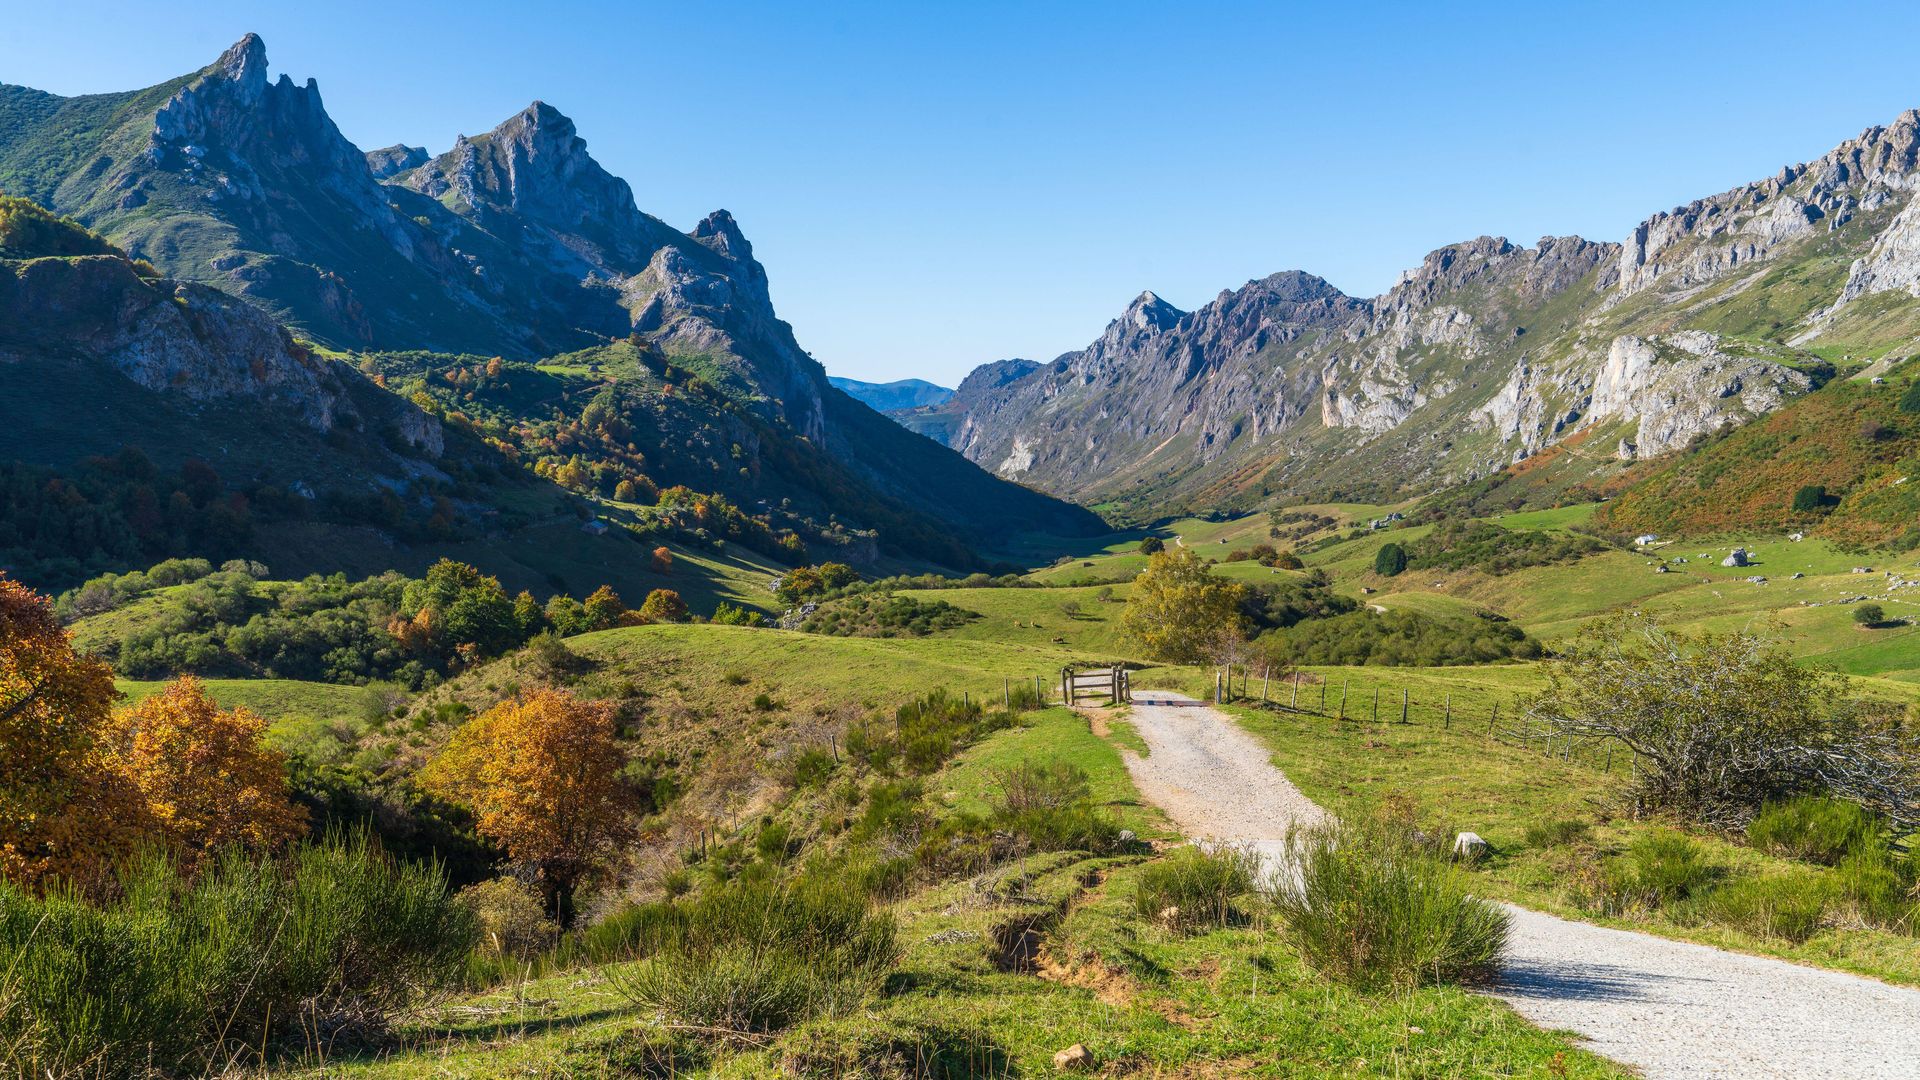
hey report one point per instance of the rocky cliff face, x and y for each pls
(1485, 354)
(191, 344)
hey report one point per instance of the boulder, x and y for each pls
(1074, 1058)
(1470, 847)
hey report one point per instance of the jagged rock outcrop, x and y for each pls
(393, 160)
(1892, 263)
(173, 337)
(1697, 243)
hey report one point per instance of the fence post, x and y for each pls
(1323, 697)
(1217, 699)
(1006, 693)
(1343, 701)
(1446, 722)
(1266, 680)
(1495, 721)
(1294, 702)
(833, 743)
(1376, 705)
(1403, 704)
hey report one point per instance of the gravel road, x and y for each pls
(1670, 1009)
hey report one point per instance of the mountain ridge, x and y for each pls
(1483, 355)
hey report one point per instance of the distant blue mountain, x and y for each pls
(886, 397)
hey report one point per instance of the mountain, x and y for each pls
(1485, 355)
(514, 243)
(892, 396)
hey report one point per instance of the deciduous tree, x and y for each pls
(1178, 611)
(60, 814)
(663, 605)
(205, 778)
(542, 776)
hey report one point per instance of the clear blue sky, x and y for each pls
(933, 186)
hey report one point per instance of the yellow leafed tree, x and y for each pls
(61, 813)
(542, 776)
(1178, 611)
(206, 779)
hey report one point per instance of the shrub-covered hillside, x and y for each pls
(1855, 441)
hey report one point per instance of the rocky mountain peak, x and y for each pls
(1149, 312)
(720, 232)
(245, 65)
(393, 160)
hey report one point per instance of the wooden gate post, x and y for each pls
(1217, 699)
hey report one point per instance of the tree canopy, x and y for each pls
(1178, 609)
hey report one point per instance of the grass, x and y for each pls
(318, 719)
(1375, 908)
(1000, 970)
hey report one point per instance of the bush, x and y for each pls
(511, 917)
(1665, 865)
(335, 935)
(1373, 908)
(1869, 615)
(1029, 786)
(1787, 907)
(1197, 886)
(1399, 638)
(1810, 498)
(1910, 400)
(1152, 545)
(1811, 828)
(1390, 560)
(1882, 887)
(760, 957)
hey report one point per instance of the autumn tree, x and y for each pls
(457, 610)
(1178, 610)
(61, 813)
(663, 559)
(663, 605)
(602, 609)
(542, 776)
(205, 777)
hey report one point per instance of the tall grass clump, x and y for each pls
(188, 976)
(1369, 905)
(1812, 828)
(1788, 907)
(1196, 887)
(758, 957)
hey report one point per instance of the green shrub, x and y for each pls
(1810, 498)
(1665, 865)
(1812, 828)
(1548, 834)
(1372, 907)
(1400, 639)
(511, 917)
(1197, 886)
(1869, 615)
(1787, 906)
(1910, 400)
(761, 957)
(1882, 887)
(251, 952)
(1390, 560)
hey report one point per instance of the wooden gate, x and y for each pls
(1111, 684)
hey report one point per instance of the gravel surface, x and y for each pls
(1671, 1009)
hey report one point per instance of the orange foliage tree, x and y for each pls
(206, 779)
(59, 815)
(663, 605)
(542, 776)
(663, 559)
